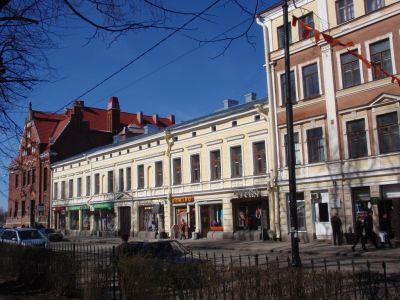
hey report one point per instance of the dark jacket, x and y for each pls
(359, 228)
(384, 225)
(336, 223)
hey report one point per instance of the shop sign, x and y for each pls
(40, 207)
(176, 200)
(248, 193)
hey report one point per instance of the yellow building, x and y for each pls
(210, 172)
(346, 115)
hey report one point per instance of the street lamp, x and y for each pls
(294, 227)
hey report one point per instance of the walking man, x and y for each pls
(336, 229)
(369, 230)
(360, 233)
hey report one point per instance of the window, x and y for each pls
(213, 128)
(141, 177)
(70, 188)
(16, 210)
(381, 57)
(350, 70)
(215, 164)
(195, 167)
(296, 142)
(177, 169)
(315, 144)
(357, 138)
(344, 11)
(16, 180)
(159, 173)
(292, 88)
(62, 189)
(259, 159)
(388, 132)
(309, 20)
(301, 212)
(234, 123)
(87, 185)
(33, 176)
(310, 80)
(128, 178)
(257, 118)
(175, 138)
(110, 179)
(236, 161)
(371, 5)
(45, 179)
(55, 191)
(97, 184)
(79, 187)
(120, 180)
(194, 133)
(281, 36)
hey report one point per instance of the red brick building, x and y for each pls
(49, 137)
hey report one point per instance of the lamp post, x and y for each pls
(294, 227)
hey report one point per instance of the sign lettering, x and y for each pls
(176, 200)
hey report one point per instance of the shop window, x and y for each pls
(63, 194)
(249, 216)
(350, 70)
(105, 219)
(110, 179)
(74, 219)
(120, 180)
(177, 169)
(344, 11)
(236, 161)
(292, 88)
(195, 167)
(85, 219)
(372, 5)
(362, 200)
(310, 80)
(128, 178)
(388, 132)
(309, 20)
(301, 212)
(55, 191)
(159, 173)
(79, 187)
(259, 158)
(215, 161)
(280, 31)
(70, 188)
(297, 153)
(315, 145)
(147, 218)
(381, 57)
(45, 179)
(357, 138)
(140, 177)
(97, 184)
(16, 180)
(87, 185)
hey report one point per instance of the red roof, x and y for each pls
(47, 125)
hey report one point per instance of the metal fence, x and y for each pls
(90, 271)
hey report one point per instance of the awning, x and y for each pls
(106, 205)
(78, 207)
(59, 208)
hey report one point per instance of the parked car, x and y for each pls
(2, 230)
(24, 236)
(51, 234)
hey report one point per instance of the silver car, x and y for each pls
(24, 236)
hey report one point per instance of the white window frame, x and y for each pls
(211, 149)
(305, 64)
(252, 142)
(231, 145)
(368, 53)
(283, 133)
(353, 117)
(190, 166)
(278, 74)
(313, 125)
(172, 170)
(375, 114)
(339, 64)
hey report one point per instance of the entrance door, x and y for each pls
(205, 219)
(323, 229)
(124, 220)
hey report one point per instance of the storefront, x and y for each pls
(103, 214)
(73, 215)
(361, 201)
(184, 211)
(211, 218)
(389, 204)
(59, 217)
(250, 215)
(150, 217)
(79, 217)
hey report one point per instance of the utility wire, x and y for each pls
(143, 53)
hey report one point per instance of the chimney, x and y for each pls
(250, 97)
(77, 111)
(113, 115)
(139, 117)
(171, 119)
(155, 119)
(229, 103)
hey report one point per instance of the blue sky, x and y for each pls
(191, 86)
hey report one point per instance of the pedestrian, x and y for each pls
(336, 229)
(369, 229)
(360, 233)
(183, 229)
(385, 231)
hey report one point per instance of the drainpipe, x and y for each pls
(270, 117)
(170, 142)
